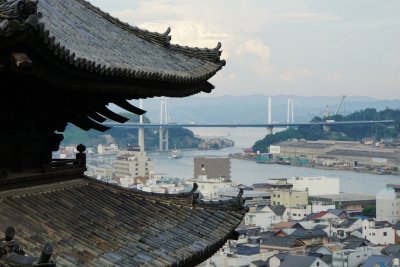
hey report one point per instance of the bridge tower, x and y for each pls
(290, 111)
(270, 129)
(163, 132)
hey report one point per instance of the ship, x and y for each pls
(176, 154)
(263, 158)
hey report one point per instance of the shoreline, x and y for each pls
(240, 156)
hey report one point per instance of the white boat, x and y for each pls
(176, 154)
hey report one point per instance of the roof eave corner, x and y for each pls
(18, 15)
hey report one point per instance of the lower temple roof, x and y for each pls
(90, 223)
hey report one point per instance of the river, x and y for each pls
(249, 172)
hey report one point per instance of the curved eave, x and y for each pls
(204, 63)
(50, 60)
(62, 52)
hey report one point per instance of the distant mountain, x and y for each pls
(253, 108)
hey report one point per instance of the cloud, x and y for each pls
(255, 47)
(189, 33)
(279, 44)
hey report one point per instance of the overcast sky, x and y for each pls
(298, 47)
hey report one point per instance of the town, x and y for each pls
(289, 219)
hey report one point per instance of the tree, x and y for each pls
(369, 211)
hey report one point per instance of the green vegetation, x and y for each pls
(369, 211)
(178, 137)
(339, 132)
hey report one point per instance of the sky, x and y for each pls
(293, 47)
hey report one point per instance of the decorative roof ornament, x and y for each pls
(17, 9)
(17, 15)
(11, 253)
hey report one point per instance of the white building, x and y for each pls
(316, 185)
(295, 213)
(210, 187)
(388, 204)
(104, 173)
(378, 232)
(133, 163)
(112, 149)
(263, 217)
(351, 257)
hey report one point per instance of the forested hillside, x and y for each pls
(340, 132)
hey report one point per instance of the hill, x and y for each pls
(253, 108)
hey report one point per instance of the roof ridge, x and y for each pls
(152, 37)
(163, 39)
(43, 188)
(189, 199)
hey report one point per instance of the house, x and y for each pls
(245, 249)
(378, 232)
(295, 213)
(347, 226)
(353, 242)
(351, 257)
(329, 248)
(391, 249)
(315, 216)
(283, 225)
(282, 244)
(289, 197)
(310, 237)
(338, 213)
(377, 261)
(279, 210)
(288, 260)
(263, 217)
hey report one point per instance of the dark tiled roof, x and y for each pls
(353, 242)
(297, 260)
(96, 224)
(377, 260)
(85, 37)
(336, 212)
(313, 216)
(283, 242)
(278, 209)
(260, 263)
(308, 233)
(347, 223)
(391, 249)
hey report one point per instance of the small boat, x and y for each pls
(176, 154)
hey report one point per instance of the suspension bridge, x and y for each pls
(164, 124)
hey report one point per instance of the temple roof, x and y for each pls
(90, 223)
(86, 38)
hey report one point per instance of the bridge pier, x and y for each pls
(270, 130)
(164, 143)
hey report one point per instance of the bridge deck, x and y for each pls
(244, 125)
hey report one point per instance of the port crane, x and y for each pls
(328, 114)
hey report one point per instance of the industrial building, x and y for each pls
(337, 153)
